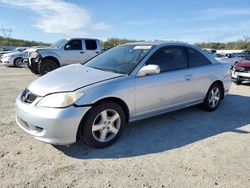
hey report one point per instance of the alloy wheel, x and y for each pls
(214, 97)
(106, 125)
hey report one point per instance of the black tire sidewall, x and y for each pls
(34, 71)
(15, 62)
(86, 131)
(44, 63)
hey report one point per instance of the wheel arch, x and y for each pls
(52, 58)
(16, 59)
(112, 99)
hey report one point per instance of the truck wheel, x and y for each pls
(18, 62)
(46, 66)
(34, 71)
(103, 124)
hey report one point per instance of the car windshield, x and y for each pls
(121, 59)
(18, 50)
(58, 44)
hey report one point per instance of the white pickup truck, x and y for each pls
(63, 52)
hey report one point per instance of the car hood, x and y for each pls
(69, 78)
(243, 64)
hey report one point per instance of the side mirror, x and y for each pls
(67, 47)
(149, 70)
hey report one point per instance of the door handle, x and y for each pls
(97, 52)
(188, 77)
(82, 52)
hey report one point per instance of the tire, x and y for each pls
(213, 97)
(98, 128)
(237, 82)
(18, 62)
(34, 71)
(46, 66)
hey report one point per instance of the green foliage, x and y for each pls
(111, 42)
(237, 45)
(20, 43)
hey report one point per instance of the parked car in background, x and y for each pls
(244, 55)
(241, 71)
(229, 58)
(63, 52)
(94, 101)
(211, 51)
(4, 51)
(14, 58)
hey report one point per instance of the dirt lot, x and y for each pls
(187, 148)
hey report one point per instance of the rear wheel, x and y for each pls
(46, 66)
(213, 97)
(18, 62)
(103, 124)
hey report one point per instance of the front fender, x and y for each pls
(45, 54)
(121, 88)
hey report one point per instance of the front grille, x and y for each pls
(28, 97)
(247, 69)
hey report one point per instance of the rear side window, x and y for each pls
(195, 58)
(91, 44)
(169, 58)
(74, 45)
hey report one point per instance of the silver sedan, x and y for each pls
(94, 101)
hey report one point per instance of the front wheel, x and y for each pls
(213, 98)
(35, 71)
(18, 62)
(46, 66)
(103, 124)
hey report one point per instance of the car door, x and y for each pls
(169, 89)
(92, 48)
(73, 52)
(202, 69)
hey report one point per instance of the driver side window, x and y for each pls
(74, 45)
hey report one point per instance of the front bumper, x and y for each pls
(7, 61)
(51, 125)
(33, 62)
(240, 76)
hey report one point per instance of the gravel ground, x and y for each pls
(186, 148)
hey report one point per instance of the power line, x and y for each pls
(6, 32)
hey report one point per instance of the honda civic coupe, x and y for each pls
(95, 101)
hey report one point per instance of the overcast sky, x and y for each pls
(184, 20)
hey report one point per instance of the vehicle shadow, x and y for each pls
(171, 130)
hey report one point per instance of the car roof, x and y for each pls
(80, 38)
(156, 43)
(160, 44)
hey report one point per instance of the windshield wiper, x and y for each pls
(108, 70)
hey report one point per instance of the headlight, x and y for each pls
(34, 54)
(239, 68)
(58, 100)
